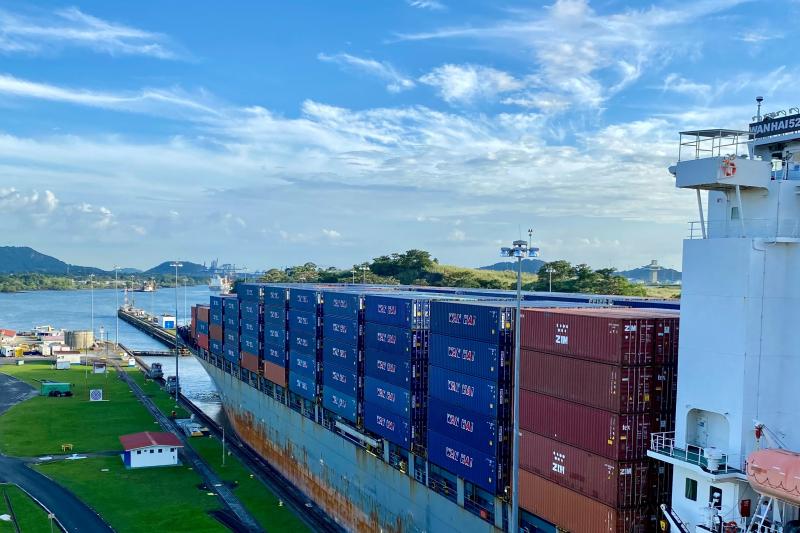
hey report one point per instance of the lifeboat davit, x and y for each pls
(775, 473)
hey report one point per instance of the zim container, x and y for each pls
(251, 310)
(477, 431)
(303, 342)
(275, 316)
(340, 353)
(390, 339)
(621, 437)
(215, 346)
(341, 329)
(342, 379)
(622, 389)
(463, 390)
(250, 362)
(343, 304)
(388, 367)
(274, 373)
(476, 321)
(341, 404)
(387, 396)
(275, 354)
(303, 386)
(615, 483)
(463, 461)
(303, 364)
(387, 424)
(480, 359)
(250, 291)
(404, 311)
(572, 511)
(304, 299)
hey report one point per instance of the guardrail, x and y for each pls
(709, 459)
(749, 227)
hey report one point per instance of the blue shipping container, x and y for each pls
(275, 316)
(231, 352)
(250, 345)
(341, 404)
(215, 316)
(302, 385)
(304, 299)
(250, 291)
(340, 378)
(215, 346)
(346, 304)
(250, 310)
(302, 321)
(231, 336)
(340, 353)
(388, 338)
(391, 368)
(475, 430)
(468, 356)
(303, 342)
(202, 327)
(232, 321)
(215, 303)
(275, 354)
(390, 397)
(389, 425)
(470, 392)
(274, 335)
(250, 327)
(465, 462)
(231, 306)
(485, 323)
(275, 296)
(400, 311)
(303, 364)
(340, 329)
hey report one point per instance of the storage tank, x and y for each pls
(79, 339)
(775, 473)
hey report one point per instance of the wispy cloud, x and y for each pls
(427, 4)
(466, 83)
(382, 70)
(72, 27)
(678, 84)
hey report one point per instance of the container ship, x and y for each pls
(391, 406)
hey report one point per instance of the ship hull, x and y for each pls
(354, 487)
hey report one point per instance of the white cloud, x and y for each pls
(396, 82)
(678, 84)
(467, 83)
(12, 199)
(457, 235)
(331, 234)
(433, 5)
(72, 27)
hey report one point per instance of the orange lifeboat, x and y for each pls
(775, 473)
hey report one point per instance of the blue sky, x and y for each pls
(274, 133)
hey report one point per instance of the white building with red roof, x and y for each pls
(150, 448)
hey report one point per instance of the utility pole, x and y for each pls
(116, 303)
(364, 269)
(177, 265)
(91, 289)
(550, 278)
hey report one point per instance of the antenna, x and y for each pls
(759, 99)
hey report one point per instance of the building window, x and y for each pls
(160, 450)
(691, 489)
(172, 449)
(152, 450)
(138, 452)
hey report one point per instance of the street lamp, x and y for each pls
(520, 250)
(116, 302)
(364, 269)
(91, 290)
(354, 274)
(177, 265)
(550, 271)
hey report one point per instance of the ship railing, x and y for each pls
(700, 144)
(709, 459)
(788, 228)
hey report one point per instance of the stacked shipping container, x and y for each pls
(251, 313)
(342, 345)
(591, 394)
(200, 325)
(274, 324)
(305, 335)
(215, 325)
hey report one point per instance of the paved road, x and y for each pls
(74, 515)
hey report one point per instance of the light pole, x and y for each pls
(550, 278)
(519, 249)
(116, 302)
(364, 269)
(91, 290)
(354, 274)
(177, 265)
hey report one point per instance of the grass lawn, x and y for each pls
(30, 517)
(155, 499)
(253, 494)
(42, 424)
(153, 390)
(663, 291)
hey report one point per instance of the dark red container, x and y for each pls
(667, 333)
(615, 483)
(572, 511)
(250, 362)
(215, 331)
(621, 437)
(622, 389)
(202, 341)
(202, 313)
(665, 389)
(274, 373)
(609, 336)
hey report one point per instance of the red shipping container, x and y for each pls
(202, 341)
(603, 335)
(617, 484)
(667, 334)
(622, 437)
(215, 331)
(274, 373)
(665, 389)
(575, 512)
(622, 389)
(202, 313)
(250, 362)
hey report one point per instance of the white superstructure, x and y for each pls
(739, 363)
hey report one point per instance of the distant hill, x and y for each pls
(530, 266)
(128, 271)
(188, 269)
(665, 275)
(26, 260)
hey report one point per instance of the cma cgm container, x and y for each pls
(480, 321)
(614, 436)
(340, 353)
(341, 329)
(468, 392)
(616, 484)
(343, 304)
(300, 341)
(464, 461)
(596, 334)
(474, 430)
(572, 511)
(476, 358)
(410, 310)
(303, 364)
(304, 321)
(622, 389)
(390, 339)
(389, 397)
(389, 367)
(304, 299)
(391, 426)
(340, 403)
(339, 378)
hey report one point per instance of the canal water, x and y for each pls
(73, 310)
